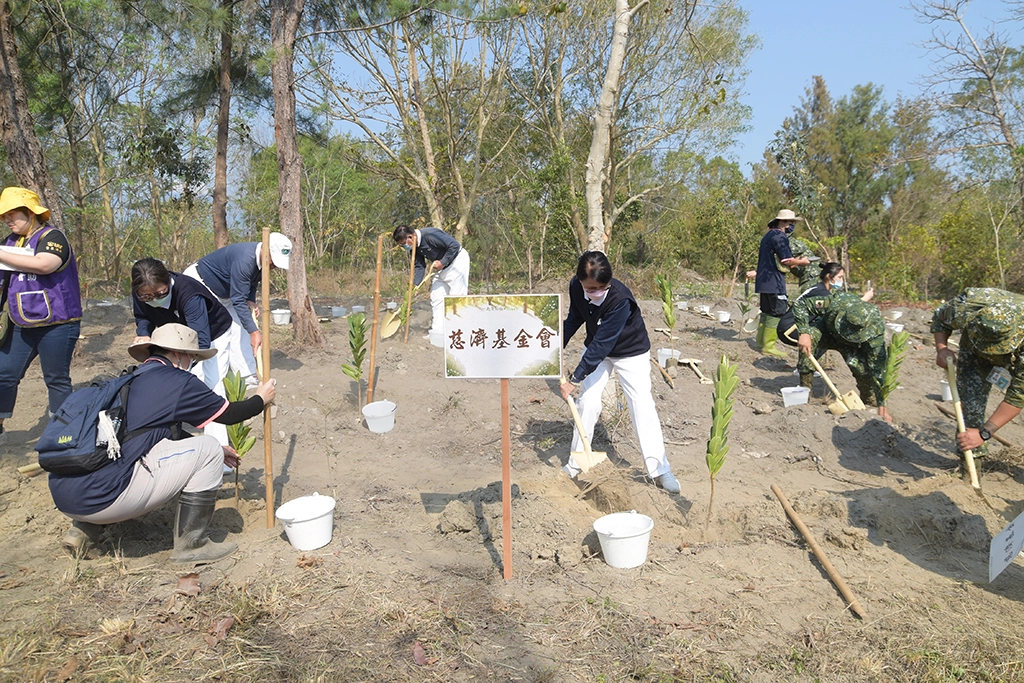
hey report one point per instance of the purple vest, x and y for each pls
(39, 300)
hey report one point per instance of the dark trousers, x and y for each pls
(774, 305)
(54, 344)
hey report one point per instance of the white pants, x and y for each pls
(193, 465)
(451, 281)
(234, 352)
(635, 378)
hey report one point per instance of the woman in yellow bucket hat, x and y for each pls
(42, 301)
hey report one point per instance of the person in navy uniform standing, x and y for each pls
(774, 254)
(616, 340)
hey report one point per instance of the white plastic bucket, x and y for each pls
(308, 521)
(683, 305)
(380, 416)
(705, 309)
(392, 305)
(723, 316)
(624, 538)
(947, 393)
(749, 325)
(794, 396)
(895, 327)
(436, 338)
(665, 354)
(359, 309)
(338, 311)
(281, 316)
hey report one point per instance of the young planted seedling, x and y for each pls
(357, 345)
(239, 436)
(725, 383)
(897, 352)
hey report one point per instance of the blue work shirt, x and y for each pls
(771, 280)
(232, 272)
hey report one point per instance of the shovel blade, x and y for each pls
(586, 463)
(852, 400)
(838, 408)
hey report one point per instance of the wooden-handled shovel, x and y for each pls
(844, 402)
(972, 471)
(587, 458)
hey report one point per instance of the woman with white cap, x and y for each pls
(42, 301)
(154, 466)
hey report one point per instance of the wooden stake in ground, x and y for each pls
(851, 601)
(506, 483)
(268, 450)
(370, 375)
(408, 295)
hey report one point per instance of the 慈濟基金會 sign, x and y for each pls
(502, 336)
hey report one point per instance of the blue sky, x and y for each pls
(848, 43)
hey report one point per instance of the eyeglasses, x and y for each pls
(150, 297)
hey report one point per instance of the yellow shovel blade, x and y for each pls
(389, 324)
(586, 463)
(852, 400)
(838, 408)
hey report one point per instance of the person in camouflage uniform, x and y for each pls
(991, 322)
(843, 322)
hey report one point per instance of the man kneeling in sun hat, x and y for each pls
(154, 467)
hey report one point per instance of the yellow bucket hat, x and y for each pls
(20, 198)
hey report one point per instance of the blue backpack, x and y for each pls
(69, 444)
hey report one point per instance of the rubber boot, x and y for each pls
(771, 338)
(759, 343)
(190, 542)
(80, 537)
(807, 380)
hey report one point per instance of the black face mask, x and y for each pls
(789, 229)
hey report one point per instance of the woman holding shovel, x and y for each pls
(850, 325)
(616, 340)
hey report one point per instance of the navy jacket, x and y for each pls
(232, 272)
(434, 245)
(191, 305)
(614, 329)
(770, 280)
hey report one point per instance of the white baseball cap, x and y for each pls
(280, 250)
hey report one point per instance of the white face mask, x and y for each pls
(159, 303)
(596, 298)
(837, 284)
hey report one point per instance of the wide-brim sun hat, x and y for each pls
(21, 198)
(280, 250)
(172, 337)
(784, 215)
(855, 321)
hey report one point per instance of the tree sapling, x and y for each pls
(239, 435)
(897, 352)
(667, 307)
(357, 345)
(721, 413)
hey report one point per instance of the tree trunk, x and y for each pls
(24, 152)
(220, 179)
(284, 24)
(599, 229)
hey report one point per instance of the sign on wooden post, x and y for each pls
(506, 336)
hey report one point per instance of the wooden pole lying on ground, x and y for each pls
(506, 483)
(851, 601)
(376, 317)
(408, 295)
(949, 413)
(268, 450)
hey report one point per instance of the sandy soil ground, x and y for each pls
(419, 516)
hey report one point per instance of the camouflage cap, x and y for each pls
(854, 321)
(992, 319)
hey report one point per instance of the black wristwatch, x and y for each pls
(984, 434)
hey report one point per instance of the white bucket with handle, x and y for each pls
(624, 538)
(308, 521)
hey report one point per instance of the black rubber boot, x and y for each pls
(191, 546)
(80, 537)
